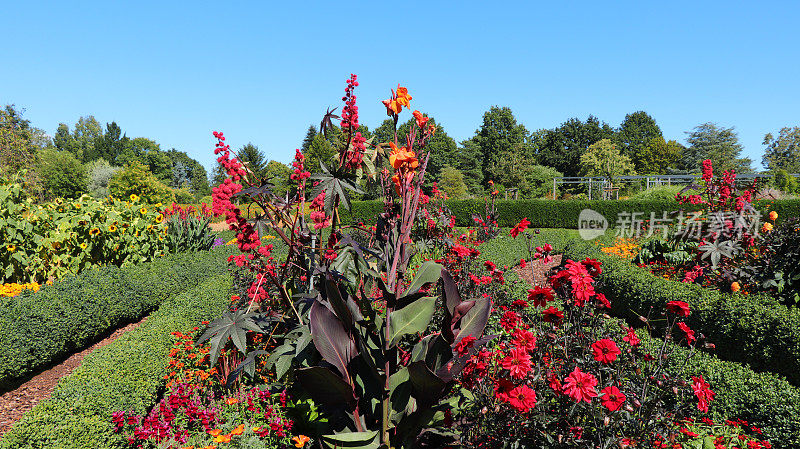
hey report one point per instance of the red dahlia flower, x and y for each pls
(518, 363)
(521, 226)
(679, 308)
(580, 386)
(540, 296)
(605, 351)
(524, 339)
(612, 398)
(522, 398)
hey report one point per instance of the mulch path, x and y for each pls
(15, 403)
(535, 272)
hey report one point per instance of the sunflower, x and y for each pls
(11, 248)
(143, 210)
(77, 205)
(159, 218)
(149, 227)
(94, 232)
(83, 245)
(134, 197)
(112, 228)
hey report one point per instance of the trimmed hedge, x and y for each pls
(125, 375)
(556, 213)
(39, 328)
(763, 399)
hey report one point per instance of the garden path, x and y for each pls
(17, 402)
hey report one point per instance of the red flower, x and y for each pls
(679, 308)
(518, 363)
(521, 226)
(632, 339)
(510, 320)
(592, 266)
(689, 333)
(604, 302)
(524, 339)
(580, 386)
(612, 398)
(552, 315)
(489, 265)
(522, 263)
(540, 296)
(522, 398)
(502, 388)
(465, 344)
(605, 351)
(702, 390)
(520, 304)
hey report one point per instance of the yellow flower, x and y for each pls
(143, 210)
(735, 287)
(767, 227)
(158, 204)
(112, 228)
(773, 215)
(94, 232)
(83, 245)
(11, 248)
(134, 197)
(77, 205)
(159, 218)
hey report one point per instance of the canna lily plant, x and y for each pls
(378, 350)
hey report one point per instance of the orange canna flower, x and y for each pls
(239, 430)
(402, 96)
(300, 440)
(214, 432)
(421, 120)
(431, 129)
(392, 106)
(400, 157)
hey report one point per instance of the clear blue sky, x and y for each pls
(262, 72)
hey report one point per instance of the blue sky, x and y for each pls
(262, 72)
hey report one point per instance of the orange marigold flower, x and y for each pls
(767, 227)
(300, 440)
(773, 215)
(232, 401)
(735, 287)
(215, 432)
(239, 430)
(222, 439)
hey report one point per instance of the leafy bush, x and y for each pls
(62, 175)
(778, 267)
(125, 375)
(100, 174)
(188, 228)
(136, 179)
(38, 328)
(660, 193)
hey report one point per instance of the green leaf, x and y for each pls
(233, 326)
(325, 386)
(362, 440)
(428, 273)
(411, 319)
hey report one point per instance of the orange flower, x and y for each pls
(300, 440)
(400, 157)
(232, 401)
(773, 215)
(392, 106)
(421, 120)
(239, 430)
(735, 287)
(214, 432)
(402, 96)
(222, 439)
(431, 129)
(767, 227)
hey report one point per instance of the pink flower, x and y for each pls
(632, 339)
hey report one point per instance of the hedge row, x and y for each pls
(765, 400)
(556, 213)
(39, 328)
(125, 375)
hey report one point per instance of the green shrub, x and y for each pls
(125, 375)
(39, 328)
(660, 193)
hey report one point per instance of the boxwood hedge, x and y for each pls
(125, 375)
(39, 328)
(556, 213)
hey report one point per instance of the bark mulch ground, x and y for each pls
(16, 402)
(535, 272)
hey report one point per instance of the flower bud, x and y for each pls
(606, 421)
(637, 403)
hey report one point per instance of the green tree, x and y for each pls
(62, 175)
(603, 158)
(253, 159)
(451, 181)
(635, 135)
(310, 134)
(468, 161)
(320, 150)
(518, 171)
(86, 134)
(719, 144)
(148, 152)
(658, 156)
(110, 145)
(135, 178)
(16, 150)
(99, 174)
(63, 140)
(278, 174)
(500, 132)
(562, 147)
(783, 152)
